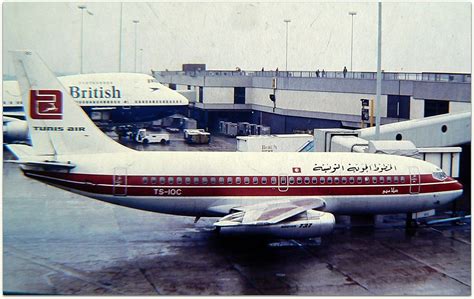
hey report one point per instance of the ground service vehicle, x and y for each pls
(143, 136)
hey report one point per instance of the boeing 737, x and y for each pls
(116, 97)
(285, 195)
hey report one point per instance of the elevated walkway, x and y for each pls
(435, 86)
(433, 139)
(434, 131)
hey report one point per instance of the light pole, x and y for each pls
(82, 7)
(120, 39)
(141, 60)
(352, 14)
(378, 88)
(136, 26)
(286, 60)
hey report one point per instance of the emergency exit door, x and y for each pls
(414, 180)
(283, 183)
(120, 182)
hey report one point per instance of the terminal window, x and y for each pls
(201, 94)
(239, 95)
(398, 106)
(434, 107)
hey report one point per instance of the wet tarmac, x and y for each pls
(55, 242)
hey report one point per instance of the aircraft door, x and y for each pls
(120, 181)
(283, 183)
(414, 180)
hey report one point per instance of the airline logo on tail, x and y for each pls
(46, 104)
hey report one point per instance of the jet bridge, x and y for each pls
(440, 130)
(431, 139)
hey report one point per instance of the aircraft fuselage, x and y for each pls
(185, 183)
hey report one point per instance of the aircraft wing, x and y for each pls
(270, 212)
(15, 114)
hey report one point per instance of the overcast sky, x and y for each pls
(417, 37)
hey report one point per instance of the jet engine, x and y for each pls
(304, 225)
(15, 130)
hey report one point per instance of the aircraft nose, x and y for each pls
(457, 186)
(181, 98)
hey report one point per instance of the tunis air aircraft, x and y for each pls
(285, 195)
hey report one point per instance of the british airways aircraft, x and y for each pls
(115, 97)
(285, 195)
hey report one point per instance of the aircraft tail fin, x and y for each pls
(57, 124)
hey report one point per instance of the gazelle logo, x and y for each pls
(46, 104)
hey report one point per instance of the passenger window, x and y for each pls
(196, 180)
(389, 179)
(306, 180)
(344, 180)
(153, 180)
(255, 180)
(322, 180)
(229, 180)
(314, 180)
(221, 180)
(299, 180)
(402, 179)
(213, 180)
(351, 180)
(179, 180)
(170, 180)
(283, 180)
(187, 180)
(395, 179)
(359, 180)
(238, 180)
(264, 180)
(336, 180)
(246, 180)
(382, 180)
(366, 179)
(292, 180)
(273, 180)
(162, 180)
(329, 180)
(374, 180)
(145, 180)
(205, 180)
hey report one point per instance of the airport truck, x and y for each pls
(145, 137)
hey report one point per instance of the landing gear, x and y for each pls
(410, 225)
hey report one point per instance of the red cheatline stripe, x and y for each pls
(89, 183)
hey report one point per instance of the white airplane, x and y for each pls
(285, 195)
(116, 97)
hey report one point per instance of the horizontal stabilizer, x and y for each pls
(47, 165)
(21, 151)
(27, 156)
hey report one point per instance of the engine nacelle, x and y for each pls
(16, 130)
(309, 224)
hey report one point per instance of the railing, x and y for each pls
(436, 77)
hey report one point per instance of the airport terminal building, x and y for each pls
(296, 101)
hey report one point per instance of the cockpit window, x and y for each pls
(439, 175)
